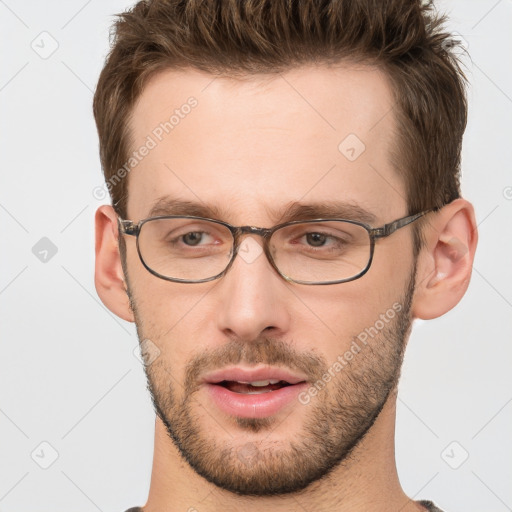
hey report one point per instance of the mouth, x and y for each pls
(254, 388)
(253, 392)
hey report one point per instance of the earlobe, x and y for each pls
(109, 275)
(445, 263)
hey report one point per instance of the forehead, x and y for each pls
(248, 145)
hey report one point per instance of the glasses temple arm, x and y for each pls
(390, 228)
(127, 227)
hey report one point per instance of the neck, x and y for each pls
(368, 480)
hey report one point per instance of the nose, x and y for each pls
(252, 296)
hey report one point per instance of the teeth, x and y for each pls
(261, 383)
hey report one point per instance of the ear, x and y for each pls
(109, 276)
(446, 260)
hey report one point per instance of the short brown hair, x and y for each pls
(404, 38)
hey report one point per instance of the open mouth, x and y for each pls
(255, 387)
(253, 392)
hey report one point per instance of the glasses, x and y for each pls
(188, 249)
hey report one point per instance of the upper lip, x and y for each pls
(239, 374)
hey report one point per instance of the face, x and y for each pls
(243, 153)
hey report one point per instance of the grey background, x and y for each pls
(68, 373)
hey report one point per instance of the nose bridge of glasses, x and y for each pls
(265, 233)
(253, 230)
(250, 252)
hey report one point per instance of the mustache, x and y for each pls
(266, 350)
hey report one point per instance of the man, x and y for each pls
(285, 182)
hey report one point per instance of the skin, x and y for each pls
(249, 147)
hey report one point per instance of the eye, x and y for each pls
(192, 235)
(325, 239)
(316, 239)
(193, 238)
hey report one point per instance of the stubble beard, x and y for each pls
(337, 420)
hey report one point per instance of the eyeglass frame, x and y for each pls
(128, 227)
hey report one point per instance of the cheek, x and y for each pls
(334, 315)
(172, 316)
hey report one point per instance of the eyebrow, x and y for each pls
(291, 212)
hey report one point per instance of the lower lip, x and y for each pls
(258, 405)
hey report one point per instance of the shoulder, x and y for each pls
(429, 505)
